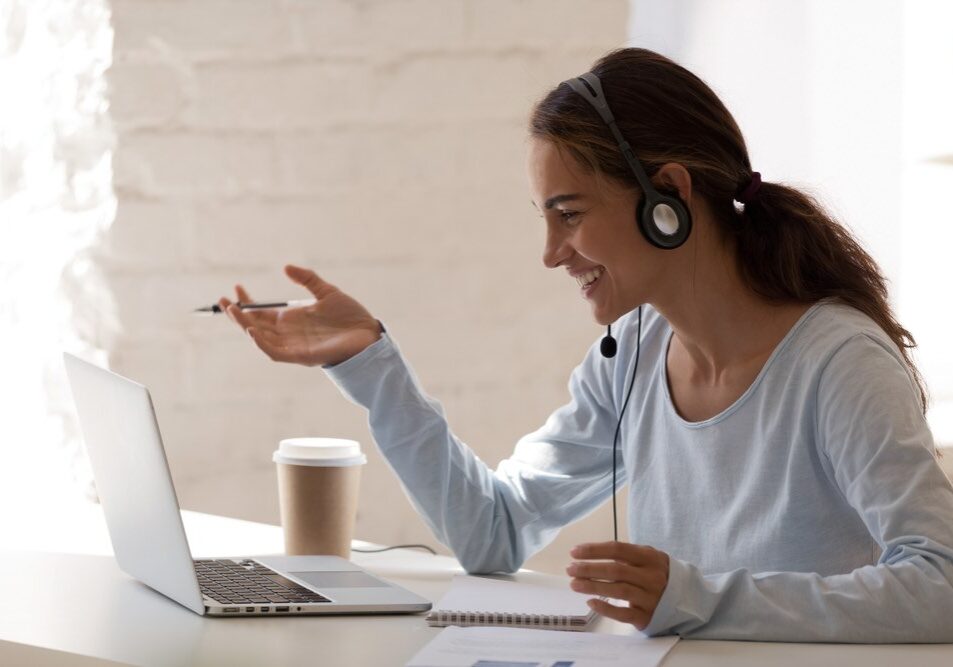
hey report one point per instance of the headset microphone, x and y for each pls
(608, 345)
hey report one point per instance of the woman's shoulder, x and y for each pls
(832, 326)
(829, 326)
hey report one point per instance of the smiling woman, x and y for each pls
(783, 246)
(782, 480)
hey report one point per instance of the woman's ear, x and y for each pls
(674, 179)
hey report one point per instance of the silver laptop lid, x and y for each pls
(133, 481)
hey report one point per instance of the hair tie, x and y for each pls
(750, 192)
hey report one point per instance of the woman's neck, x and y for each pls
(720, 324)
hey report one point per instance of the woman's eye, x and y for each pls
(568, 216)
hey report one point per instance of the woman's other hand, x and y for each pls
(333, 329)
(634, 574)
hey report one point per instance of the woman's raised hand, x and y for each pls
(333, 329)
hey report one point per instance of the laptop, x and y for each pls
(142, 514)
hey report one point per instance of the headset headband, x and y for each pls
(664, 219)
(589, 88)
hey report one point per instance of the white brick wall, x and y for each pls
(381, 143)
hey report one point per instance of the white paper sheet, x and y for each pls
(512, 647)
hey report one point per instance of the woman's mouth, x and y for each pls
(589, 280)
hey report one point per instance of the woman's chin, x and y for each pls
(605, 316)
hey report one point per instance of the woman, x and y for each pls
(782, 478)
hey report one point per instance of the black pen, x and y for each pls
(215, 309)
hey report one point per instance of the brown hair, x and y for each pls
(787, 248)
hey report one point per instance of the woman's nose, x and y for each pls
(556, 251)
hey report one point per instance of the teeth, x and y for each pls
(590, 276)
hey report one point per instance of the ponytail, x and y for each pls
(789, 249)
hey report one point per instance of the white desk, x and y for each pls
(77, 600)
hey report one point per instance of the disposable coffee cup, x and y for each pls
(318, 483)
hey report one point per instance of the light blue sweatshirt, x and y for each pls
(812, 509)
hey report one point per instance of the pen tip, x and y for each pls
(207, 310)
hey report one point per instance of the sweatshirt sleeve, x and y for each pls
(491, 519)
(871, 430)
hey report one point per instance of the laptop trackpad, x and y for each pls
(339, 580)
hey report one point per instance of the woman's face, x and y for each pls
(592, 232)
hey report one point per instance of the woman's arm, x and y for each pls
(871, 430)
(492, 520)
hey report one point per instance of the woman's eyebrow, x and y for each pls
(558, 199)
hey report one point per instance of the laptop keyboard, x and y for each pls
(247, 582)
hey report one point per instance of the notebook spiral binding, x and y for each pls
(445, 618)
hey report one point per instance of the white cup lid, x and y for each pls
(319, 452)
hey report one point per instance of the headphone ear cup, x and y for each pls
(664, 220)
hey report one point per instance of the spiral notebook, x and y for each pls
(481, 601)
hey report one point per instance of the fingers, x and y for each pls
(636, 616)
(633, 554)
(225, 305)
(243, 296)
(240, 317)
(246, 318)
(266, 340)
(638, 585)
(643, 578)
(618, 590)
(309, 280)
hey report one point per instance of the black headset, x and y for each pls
(663, 219)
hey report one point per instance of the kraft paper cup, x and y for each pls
(318, 484)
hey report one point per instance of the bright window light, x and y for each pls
(56, 199)
(925, 275)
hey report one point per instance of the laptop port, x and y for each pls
(264, 608)
(282, 608)
(249, 609)
(231, 610)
